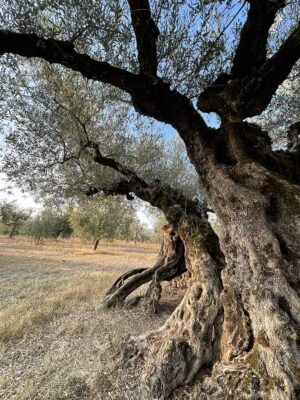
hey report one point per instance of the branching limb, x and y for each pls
(238, 99)
(146, 33)
(150, 95)
(251, 52)
(168, 200)
(261, 88)
(64, 53)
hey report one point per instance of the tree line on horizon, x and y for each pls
(106, 219)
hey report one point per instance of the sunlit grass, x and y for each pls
(45, 300)
(54, 344)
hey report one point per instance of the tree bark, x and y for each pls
(181, 282)
(169, 265)
(96, 243)
(259, 212)
(13, 231)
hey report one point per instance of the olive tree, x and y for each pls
(100, 219)
(12, 217)
(49, 223)
(174, 61)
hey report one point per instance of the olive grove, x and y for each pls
(173, 61)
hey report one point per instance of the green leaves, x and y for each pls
(103, 218)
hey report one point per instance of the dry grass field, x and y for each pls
(54, 344)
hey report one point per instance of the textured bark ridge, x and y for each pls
(181, 282)
(170, 264)
(259, 212)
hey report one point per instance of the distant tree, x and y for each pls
(159, 223)
(137, 231)
(101, 218)
(124, 228)
(50, 223)
(12, 217)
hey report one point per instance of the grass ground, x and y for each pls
(53, 343)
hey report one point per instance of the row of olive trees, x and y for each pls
(104, 219)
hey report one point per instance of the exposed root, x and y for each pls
(121, 280)
(170, 264)
(175, 353)
(152, 296)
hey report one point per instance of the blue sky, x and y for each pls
(169, 132)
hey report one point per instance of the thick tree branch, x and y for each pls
(262, 87)
(251, 52)
(112, 163)
(146, 33)
(63, 52)
(173, 204)
(170, 202)
(150, 95)
(243, 98)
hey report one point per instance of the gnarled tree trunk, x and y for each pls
(259, 212)
(190, 338)
(242, 320)
(170, 264)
